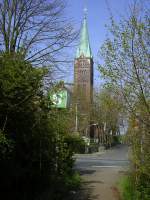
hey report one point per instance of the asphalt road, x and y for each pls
(101, 172)
(114, 157)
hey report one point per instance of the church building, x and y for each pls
(83, 73)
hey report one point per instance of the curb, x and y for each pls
(89, 154)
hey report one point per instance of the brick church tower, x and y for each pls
(83, 72)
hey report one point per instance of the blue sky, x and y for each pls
(98, 17)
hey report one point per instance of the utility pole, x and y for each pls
(76, 122)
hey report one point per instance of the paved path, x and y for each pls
(100, 173)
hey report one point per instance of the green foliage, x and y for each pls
(109, 112)
(33, 153)
(73, 181)
(6, 147)
(116, 140)
(60, 188)
(93, 147)
(19, 91)
(129, 191)
(126, 58)
(139, 138)
(19, 81)
(126, 188)
(75, 143)
(126, 66)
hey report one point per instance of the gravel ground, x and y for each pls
(100, 182)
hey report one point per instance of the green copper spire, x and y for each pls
(84, 48)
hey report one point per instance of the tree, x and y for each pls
(108, 112)
(34, 157)
(35, 160)
(35, 28)
(127, 67)
(126, 57)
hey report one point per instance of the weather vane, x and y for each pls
(85, 11)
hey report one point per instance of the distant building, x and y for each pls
(83, 74)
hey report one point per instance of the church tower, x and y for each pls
(83, 72)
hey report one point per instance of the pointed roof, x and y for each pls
(84, 48)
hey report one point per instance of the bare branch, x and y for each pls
(35, 28)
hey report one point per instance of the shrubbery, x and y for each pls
(75, 143)
(129, 191)
(35, 159)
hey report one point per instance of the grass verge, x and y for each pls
(126, 189)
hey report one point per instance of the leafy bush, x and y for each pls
(75, 143)
(126, 188)
(116, 139)
(93, 147)
(34, 156)
(130, 191)
(73, 181)
(6, 147)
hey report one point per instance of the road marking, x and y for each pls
(106, 166)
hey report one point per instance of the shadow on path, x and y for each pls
(85, 193)
(86, 171)
(86, 190)
(100, 174)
